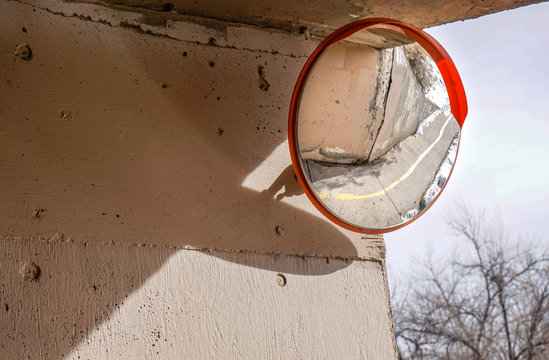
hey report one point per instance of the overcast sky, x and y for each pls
(503, 60)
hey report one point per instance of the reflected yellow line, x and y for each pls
(349, 196)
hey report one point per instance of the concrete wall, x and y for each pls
(147, 204)
(128, 302)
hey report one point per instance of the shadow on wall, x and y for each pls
(287, 180)
(112, 136)
(54, 294)
(154, 136)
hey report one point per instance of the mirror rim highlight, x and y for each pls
(450, 75)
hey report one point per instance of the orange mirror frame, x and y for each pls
(450, 75)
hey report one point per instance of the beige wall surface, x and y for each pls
(147, 202)
(127, 302)
(112, 134)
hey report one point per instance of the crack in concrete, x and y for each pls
(282, 26)
(138, 28)
(384, 103)
(73, 15)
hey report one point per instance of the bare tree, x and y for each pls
(490, 301)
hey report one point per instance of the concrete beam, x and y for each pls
(126, 302)
(325, 15)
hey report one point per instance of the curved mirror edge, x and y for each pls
(375, 134)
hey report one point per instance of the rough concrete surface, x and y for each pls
(127, 302)
(146, 206)
(116, 135)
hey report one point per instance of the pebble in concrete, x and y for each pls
(30, 271)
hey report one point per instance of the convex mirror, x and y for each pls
(374, 124)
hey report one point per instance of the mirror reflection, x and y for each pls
(376, 136)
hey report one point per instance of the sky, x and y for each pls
(503, 161)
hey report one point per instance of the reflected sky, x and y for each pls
(504, 154)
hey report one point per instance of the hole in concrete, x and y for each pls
(263, 83)
(168, 7)
(280, 230)
(280, 280)
(24, 52)
(38, 213)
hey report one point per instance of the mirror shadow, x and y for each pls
(212, 137)
(287, 180)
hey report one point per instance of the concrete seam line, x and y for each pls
(59, 239)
